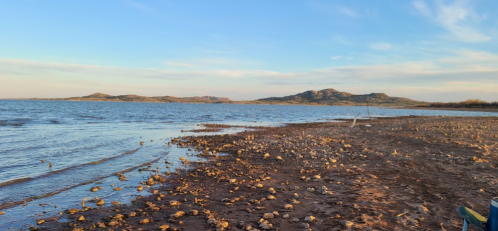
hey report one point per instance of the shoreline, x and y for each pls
(320, 176)
(448, 109)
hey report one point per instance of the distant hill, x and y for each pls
(333, 97)
(324, 97)
(158, 99)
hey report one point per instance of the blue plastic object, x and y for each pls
(492, 223)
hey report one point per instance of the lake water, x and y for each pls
(87, 143)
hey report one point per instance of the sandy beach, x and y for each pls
(408, 173)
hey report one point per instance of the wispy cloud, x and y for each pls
(177, 64)
(458, 18)
(138, 6)
(336, 57)
(422, 7)
(449, 74)
(342, 39)
(348, 11)
(380, 46)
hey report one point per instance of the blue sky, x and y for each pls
(435, 50)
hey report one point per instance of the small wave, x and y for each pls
(15, 203)
(10, 124)
(16, 181)
(91, 117)
(20, 180)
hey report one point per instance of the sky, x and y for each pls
(431, 50)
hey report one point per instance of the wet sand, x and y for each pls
(407, 173)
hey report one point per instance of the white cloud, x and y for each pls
(458, 18)
(422, 7)
(380, 46)
(341, 39)
(336, 57)
(348, 11)
(176, 64)
(25, 78)
(138, 6)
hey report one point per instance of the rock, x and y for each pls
(177, 214)
(81, 218)
(422, 209)
(309, 218)
(41, 221)
(288, 206)
(193, 212)
(304, 225)
(232, 181)
(286, 216)
(348, 224)
(174, 203)
(265, 225)
(163, 227)
(100, 202)
(222, 224)
(295, 219)
(268, 216)
(272, 191)
(144, 221)
(270, 197)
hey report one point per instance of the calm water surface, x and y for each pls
(91, 141)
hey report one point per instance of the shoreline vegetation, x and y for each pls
(407, 173)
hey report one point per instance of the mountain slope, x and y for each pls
(163, 99)
(333, 97)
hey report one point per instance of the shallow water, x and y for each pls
(91, 141)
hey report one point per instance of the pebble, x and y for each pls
(268, 216)
(177, 214)
(309, 218)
